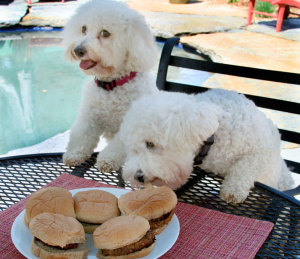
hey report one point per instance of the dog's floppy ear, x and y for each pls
(206, 121)
(142, 50)
(68, 38)
(188, 122)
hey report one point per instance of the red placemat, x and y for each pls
(204, 233)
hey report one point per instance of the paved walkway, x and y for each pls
(216, 30)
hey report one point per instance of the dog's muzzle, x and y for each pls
(139, 176)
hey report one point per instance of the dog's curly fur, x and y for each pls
(116, 41)
(246, 148)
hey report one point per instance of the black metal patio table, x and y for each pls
(22, 175)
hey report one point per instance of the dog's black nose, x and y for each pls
(80, 51)
(139, 176)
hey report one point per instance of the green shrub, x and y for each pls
(265, 7)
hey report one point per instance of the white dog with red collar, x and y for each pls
(113, 44)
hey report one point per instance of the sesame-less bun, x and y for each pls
(149, 203)
(120, 231)
(89, 228)
(95, 206)
(124, 237)
(156, 204)
(46, 252)
(56, 230)
(51, 199)
(52, 232)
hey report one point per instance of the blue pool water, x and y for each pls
(40, 91)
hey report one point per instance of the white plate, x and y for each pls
(21, 236)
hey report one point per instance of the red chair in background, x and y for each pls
(283, 10)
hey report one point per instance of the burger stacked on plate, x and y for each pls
(124, 237)
(94, 207)
(57, 236)
(51, 219)
(52, 199)
(58, 221)
(156, 204)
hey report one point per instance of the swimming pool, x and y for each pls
(40, 91)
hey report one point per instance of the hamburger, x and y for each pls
(52, 199)
(156, 204)
(57, 236)
(124, 237)
(94, 207)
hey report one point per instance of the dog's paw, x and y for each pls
(107, 165)
(232, 194)
(73, 159)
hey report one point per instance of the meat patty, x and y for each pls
(68, 246)
(161, 221)
(89, 223)
(147, 240)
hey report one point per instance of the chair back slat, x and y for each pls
(233, 70)
(290, 136)
(263, 102)
(293, 166)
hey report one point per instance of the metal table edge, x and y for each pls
(268, 188)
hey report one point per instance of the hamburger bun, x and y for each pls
(57, 236)
(52, 199)
(43, 251)
(156, 204)
(124, 237)
(94, 207)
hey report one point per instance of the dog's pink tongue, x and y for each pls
(86, 64)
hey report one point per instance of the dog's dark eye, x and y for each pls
(105, 34)
(83, 29)
(150, 145)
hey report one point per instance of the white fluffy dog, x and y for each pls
(112, 43)
(170, 129)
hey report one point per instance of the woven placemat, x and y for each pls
(204, 233)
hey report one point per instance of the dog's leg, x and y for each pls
(240, 178)
(112, 157)
(84, 137)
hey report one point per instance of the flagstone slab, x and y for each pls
(248, 48)
(193, 7)
(290, 28)
(12, 14)
(54, 14)
(167, 25)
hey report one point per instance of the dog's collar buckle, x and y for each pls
(109, 86)
(204, 150)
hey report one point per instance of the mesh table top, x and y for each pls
(20, 176)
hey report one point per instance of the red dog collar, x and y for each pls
(108, 86)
